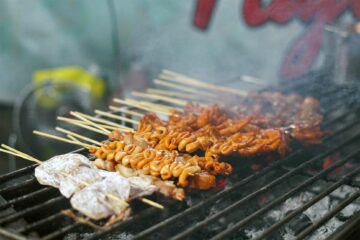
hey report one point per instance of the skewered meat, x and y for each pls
(164, 164)
(166, 188)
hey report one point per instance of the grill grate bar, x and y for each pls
(62, 231)
(39, 223)
(26, 211)
(26, 197)
(342, 129)
(17, 173)
(349, 230)
(147, 212)
(338, 118)
(24, 184)
(265, 188)
(301, 209)
(328, 215)
(10, 235)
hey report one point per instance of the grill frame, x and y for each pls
(347, 229)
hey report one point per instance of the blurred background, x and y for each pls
(57, 56)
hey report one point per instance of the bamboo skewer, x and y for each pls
(77, 135)
(151, 203)
(180, 102)
(110, 195)
(76, 123)
(80, 122)
(139, 106)
(184, 88)
(103, 121)
(80, 116)
(62, 139)
(152, 105)
(188, 97)
(180, 78)
(11, 153)
(110, 115)
(20, 153)
(117, 109)
(73, 138)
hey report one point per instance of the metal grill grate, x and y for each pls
(28, 209)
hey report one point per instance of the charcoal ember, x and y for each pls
(299, 223)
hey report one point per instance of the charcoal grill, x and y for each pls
(31, 211)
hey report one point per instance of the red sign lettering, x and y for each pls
(304, 50)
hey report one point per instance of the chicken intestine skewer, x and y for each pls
(209, 139)
(153, 162)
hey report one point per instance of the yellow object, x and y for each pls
(73, 75)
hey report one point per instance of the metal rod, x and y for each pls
(26, 211)
(16, 187)
(61, 231)
(26, 197)
(17, 173)
(146, 213)
(37, 224)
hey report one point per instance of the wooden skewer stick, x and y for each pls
(123, 128)
(150, 104)
(76, 123)
(139, 106)
(15, 154)
(117, 109)
(80, 116)
(62, 139)
(187, 96)
(180, 102)
(184, 88)
(151, 203)
(103, 121)
(77, 135)
(80, 122)
(20, 154)
(177, 77)
(114, 126)
(110, 115)
(73, 138)
(9, 152)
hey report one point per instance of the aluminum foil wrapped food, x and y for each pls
(54, 170)
(101, 199)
